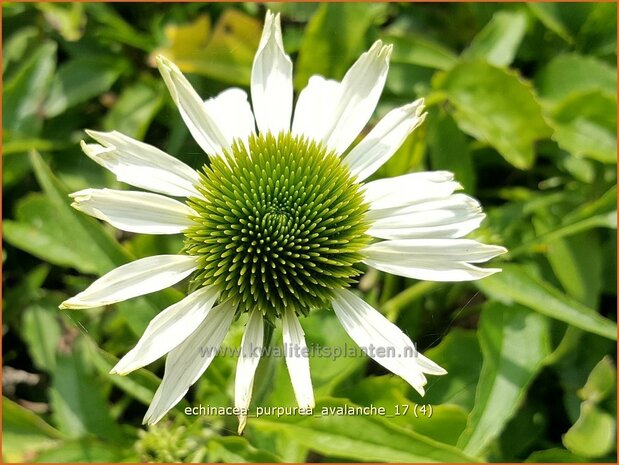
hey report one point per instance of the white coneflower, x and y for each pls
(278, 222)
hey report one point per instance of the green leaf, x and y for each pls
(585, 125)
(237, 450)
(418, 50)
(594, 433)
(514, 342)
(80, 80)
(87, 450)
(39, 233)
(42, 332)
(514, 284)
(334, 38)
(14, 48)
(77, 401)
(548, 14)
(362, 438)
(568, 74)
(459, 353)
(555, 455)
(483, 97)
(24, 432)
(601, 383)
(577, 263)
(449, 149)
(498, 42)
(135, 109)
(23, 95)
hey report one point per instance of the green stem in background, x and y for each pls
(266, 369)
(390, 286)
(393, 306)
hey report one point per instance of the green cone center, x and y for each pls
(281, 225)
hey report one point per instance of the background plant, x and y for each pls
(522, 102)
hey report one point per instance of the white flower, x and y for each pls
(277, 222)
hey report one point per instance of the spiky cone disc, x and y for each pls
(281, 225)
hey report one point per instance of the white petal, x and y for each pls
(204, 128)
(168, 329)
(451, 217)
(313, 112)
(433, 259)
(141, 165)
(358, 96)
(186, 363)
(271, 80)
(232, 112)
(409, 188)
(297, 360)
(140, 212)
(384, 139)
(249, 357)
(137, 278)
(382, 340)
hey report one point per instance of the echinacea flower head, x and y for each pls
(278, 222)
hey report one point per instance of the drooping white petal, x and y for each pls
(450, 217)
(384, 139)
(358, 96)
(382, 340)
(187, 361)
(139, 212)
(232, 112)
(137, 278)
(271, 80)
(297, 360)
(409, 188)
(433, 259)
(141, 165)
(204, 128)
(168, 329)
(249, 357)
(313, 112)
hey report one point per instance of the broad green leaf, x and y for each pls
(76, 398)
(459, 353)
(42, 332)
(555, 455)
(598, 34)
(140, 384)
(23, 95)
(362, 438)
(39, 233)
(449, 149)
(483, 97)
(24, 432)
(135, 109)
(86, 450)
(601, 383)
(515, 284)
(112, 26)
(237, 450)
(594, 433)
(514, 342)
(577, 263)
(585, 125)
(572, 73)
(445, 423)
(418, 50)
(79, 80)
(226, 53)
(498, 41)
(334, 38)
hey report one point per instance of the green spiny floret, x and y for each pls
(281, 225)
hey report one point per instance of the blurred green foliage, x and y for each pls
(522, 107)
